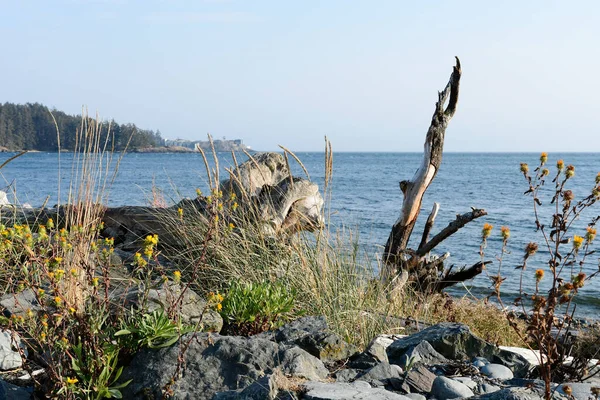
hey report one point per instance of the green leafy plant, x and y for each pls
(153, 330)
(250, 308)
(97, 374)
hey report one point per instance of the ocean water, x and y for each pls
(365, 196)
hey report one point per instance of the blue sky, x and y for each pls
(363, 73)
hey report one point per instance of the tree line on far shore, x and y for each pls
(31, 127)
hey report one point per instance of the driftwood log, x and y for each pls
(413, 265)
(265, 189)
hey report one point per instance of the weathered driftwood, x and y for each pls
(428, 275)
(265, 190)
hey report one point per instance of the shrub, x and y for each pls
(250, 308)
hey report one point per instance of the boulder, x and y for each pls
(10, 357)
(496, 371)
(313, 335)
(383, 374)
(13, 392)
(347, 391)
(214, 363)
(422, 353)
(19, 303)
(418, 380)
(445, 388)
(327, 346)
(192, 307)
(456, 342)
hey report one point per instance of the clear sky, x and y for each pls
(364, 73)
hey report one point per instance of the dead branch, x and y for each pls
(459, 222)
(414, 189)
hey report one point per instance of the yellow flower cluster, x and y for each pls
(216, 299)
(486, 231)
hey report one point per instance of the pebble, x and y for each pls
(497, 371)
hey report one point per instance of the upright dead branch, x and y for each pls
(414, 189)
(428, 273)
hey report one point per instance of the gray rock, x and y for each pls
(215, 363)
(19, 303)
(418, 380)
(580, 390)
(496, 371)
(263, 389)
(10, 358)
(457, 342)
(347, 391)
(513, 393)
(383, 374)
(298, 329)
(415, 396)
(13, 392)
(326, 346)
(471, 384)
(377, 347)
(480, 362)
(445, 388)
(423, 353)
(192, 306)
(346, 375)
(299, 363)
(485, 388)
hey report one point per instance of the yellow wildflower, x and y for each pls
(590, 234)
(58, 301)
(72, 310)
(73, 272)
(524, 168)
(180, 212)
(231, 226)
(577, 242)
(560, 164)
(487, 230)
(539, 274)
(41, 292)
(59, 273)
(234, 206)
(505, 231)
(570, 172)
(50, 223)
(198, 192)
(43, 337)
(545, 172)
(95, 282)
(219, 307)
(176, 276)
(544, 158)
(72, 381)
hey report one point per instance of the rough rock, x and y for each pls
(383, 374)
(378, 346)
(456, 341)
(327, 346)
(313, 335)
(13, 392)
(346, 375)
(298, 329)
(264, 388)
(418, 380)
(480, 362)
(299, 363)
(422, 353)
(496, 371)
(192, 307)
(445, 388)
(347, 391)
(533, 356)
(19, 303)
(10, 358)
(214, 363)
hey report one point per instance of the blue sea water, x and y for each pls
(365, 195)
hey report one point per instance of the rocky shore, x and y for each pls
(306, 360)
